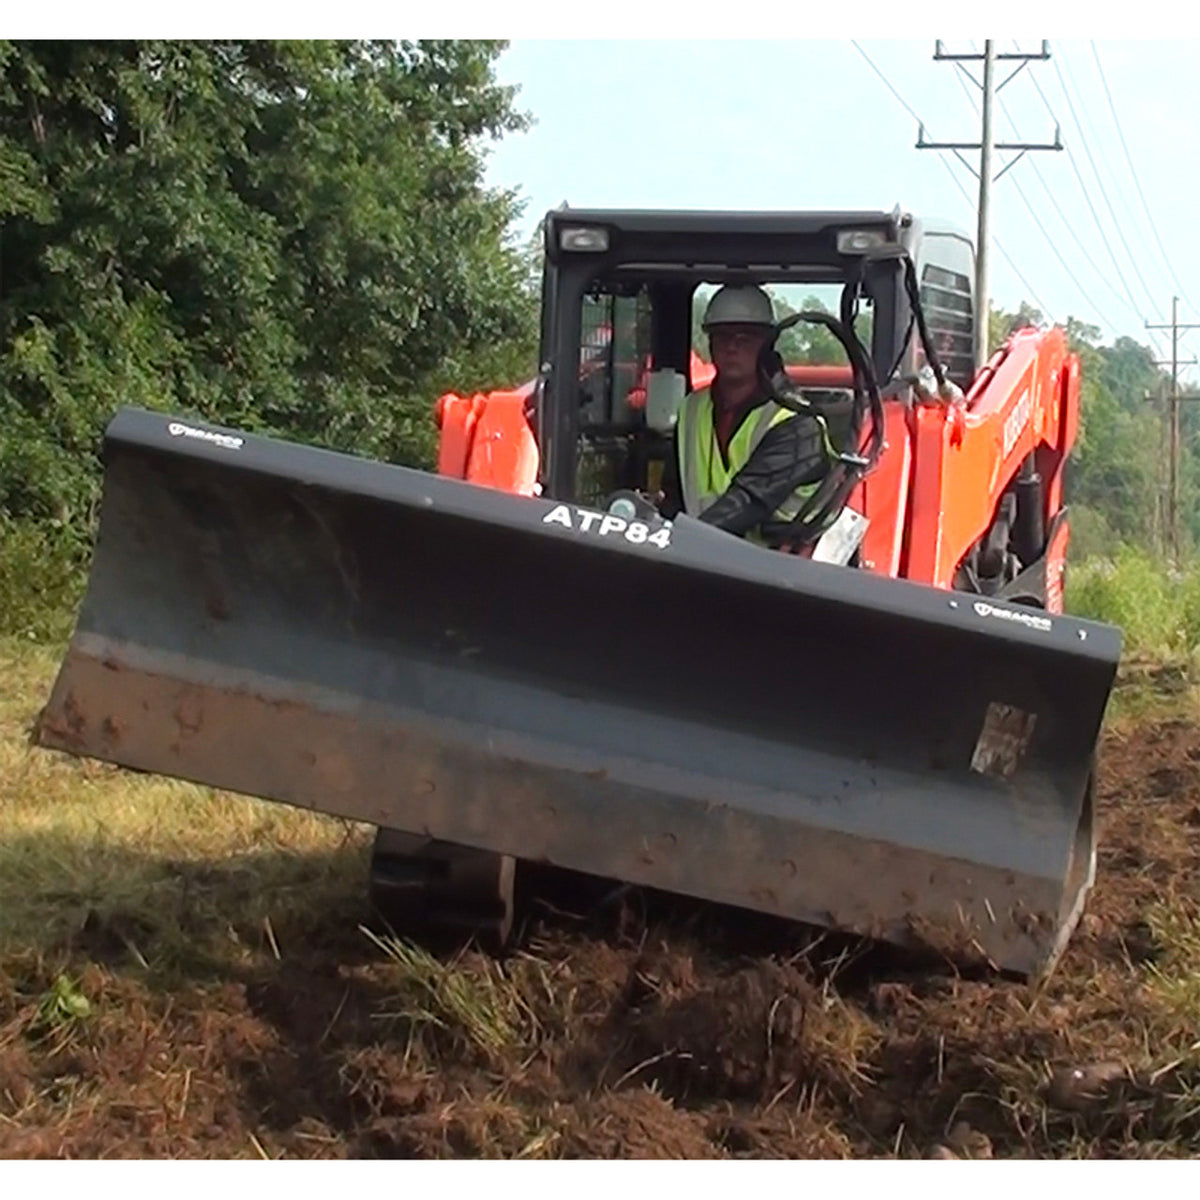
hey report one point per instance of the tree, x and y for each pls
(1115, 469)
(1001, 324)
(288, 237)
(1114, 474)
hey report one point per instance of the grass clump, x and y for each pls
(476, 1005)
(62, 1005)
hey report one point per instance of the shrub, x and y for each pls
(1158, 608)
(43, 569)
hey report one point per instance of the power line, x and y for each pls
(1032, 212)
(886, 82)
(1095, 216)
(959, 75)
(1127, 220)
(1058, 254)
(1067, 224)
(957, 183)
(1095, 171)
(1042, 306)
(1136, 181)
(1121, 223)
(1088, 257)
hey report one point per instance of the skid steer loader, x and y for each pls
(880, 722)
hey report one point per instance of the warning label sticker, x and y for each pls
(1003, 740)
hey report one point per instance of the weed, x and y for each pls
(60, 1008)
(1157, 608)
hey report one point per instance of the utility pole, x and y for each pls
(983, 241)
(1174, 400)
(986, 147)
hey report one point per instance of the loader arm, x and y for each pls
(1024, 403)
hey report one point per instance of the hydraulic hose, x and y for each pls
(847, 468)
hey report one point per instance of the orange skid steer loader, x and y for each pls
(879, 722)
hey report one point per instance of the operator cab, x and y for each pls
(623, 296)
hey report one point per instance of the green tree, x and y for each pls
(1001, 324)
(1115, 473)
(289, 237)
(808, 343)
(1115, 469)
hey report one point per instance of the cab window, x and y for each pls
(804, 344)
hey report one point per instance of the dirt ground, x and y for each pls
(640, 1029)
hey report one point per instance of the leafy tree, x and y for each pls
(288, 237)
(1115, 473)
(1116, 465)
(1002, 324)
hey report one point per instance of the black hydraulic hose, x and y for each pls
(848, 467)
(918, 311)
(862, 369)
(916, 308)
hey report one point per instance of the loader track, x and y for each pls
(441, 893)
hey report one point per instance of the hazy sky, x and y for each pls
(809, 124)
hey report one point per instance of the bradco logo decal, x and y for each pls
(1028, 619)
(177, 429)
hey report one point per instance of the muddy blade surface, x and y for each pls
(702, 717)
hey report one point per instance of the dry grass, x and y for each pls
(161, 856)
(187, 973)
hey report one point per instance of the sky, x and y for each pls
(811, 124)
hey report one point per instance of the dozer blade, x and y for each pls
(679, 710)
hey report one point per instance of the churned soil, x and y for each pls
(636, 1027)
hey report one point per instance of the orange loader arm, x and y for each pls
(1026, 400)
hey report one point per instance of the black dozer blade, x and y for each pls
(680, 709)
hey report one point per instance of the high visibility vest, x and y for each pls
(704, 476)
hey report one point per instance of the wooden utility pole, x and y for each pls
(1173, 402)
(986, 147)
(983, 240)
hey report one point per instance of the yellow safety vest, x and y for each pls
(704, 475)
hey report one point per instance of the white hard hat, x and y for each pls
(739, 306)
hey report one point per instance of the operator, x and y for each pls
(741, 459)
